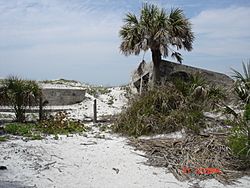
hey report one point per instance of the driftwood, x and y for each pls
(193, 157)
(88, 143)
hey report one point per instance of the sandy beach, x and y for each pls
(79, 161)
(97, 159)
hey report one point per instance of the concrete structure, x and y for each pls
(169, 69)
(63, 96)
(2, 79)
(58, 96)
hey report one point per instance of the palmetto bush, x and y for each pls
(19, 94)
(169, 107)
(240, 131)
(148, 113)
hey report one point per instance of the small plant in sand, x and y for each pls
(56, 137)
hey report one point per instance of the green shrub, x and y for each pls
(162, 110)
(170, 107)
(239, 141)
(239, 135)
(239, 138)
(60, 123)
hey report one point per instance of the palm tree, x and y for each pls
(154, 29)
(19, 94)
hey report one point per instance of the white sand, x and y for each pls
(86, 162)
(67, 163)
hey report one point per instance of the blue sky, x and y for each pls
(78, 39)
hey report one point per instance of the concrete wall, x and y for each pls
(168, 68)
(58, 97)
(61, 96)
(2, 79)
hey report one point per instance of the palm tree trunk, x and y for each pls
(156, 56)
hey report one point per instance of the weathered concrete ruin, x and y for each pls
(63, 96)
(56, 96)
(170, 69)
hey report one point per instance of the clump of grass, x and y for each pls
(36, 137)
(103, 128)
(97, 90)
(6, 116)
(100, 136)
(56, 137)
(18, 129)
(59, 81)
(3, 139)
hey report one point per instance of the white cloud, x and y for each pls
(223, 31)
(75, 37)
(55, 20)
(58, 34)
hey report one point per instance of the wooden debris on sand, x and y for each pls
(192, 157)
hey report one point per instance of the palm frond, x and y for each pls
(242, 84)
(238, 75)
(177, 56)
(164, 50)
(199, 93)
(229, 110)
(140, 67)
(180, 28)
(157, 30)
(242, 78)
(246, 69)
(196, 79)
(243, 94)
